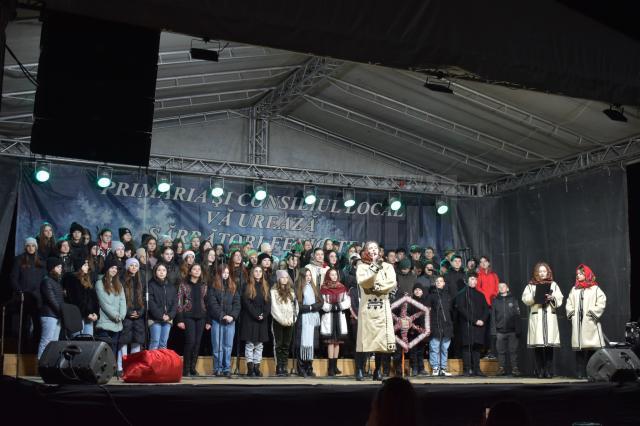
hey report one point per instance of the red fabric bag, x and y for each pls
(157, 366)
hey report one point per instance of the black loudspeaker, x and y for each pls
(96, 89)
(77, 362)
(613, 365)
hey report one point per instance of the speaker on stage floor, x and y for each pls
(77, 362)
(613, 365)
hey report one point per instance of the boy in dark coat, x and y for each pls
(473, 312)
(506, 326)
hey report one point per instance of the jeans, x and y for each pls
(221, 344)
(253, 352)
(507, 342)
(438, 352)
(87, 328)
(50, 332)
(159, 335)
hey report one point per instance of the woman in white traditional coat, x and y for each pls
(585, 305)
(376, 280)
(543, 297)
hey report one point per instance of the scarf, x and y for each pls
(310, 321)
(589, 277)
(333, 291)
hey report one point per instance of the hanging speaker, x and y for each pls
(77, 362)
(613, 365)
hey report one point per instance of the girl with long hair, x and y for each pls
(333, 324)
(307, 335)
(113, 305)
(543, 296)
(223, 306)
(163, 299)
(46, 241)
(284, 311)
(133, 327)
(192, 317)
(256, 308)
(52, 296)
(81, 292)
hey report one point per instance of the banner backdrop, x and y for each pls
(132, 201)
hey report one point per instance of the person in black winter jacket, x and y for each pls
(441, 305)
(254, 329)
(81, 292)
(52, 296)
(78, 247)
(192, 317)
(46, 241)
(506, 326)
(133, 325)
(416, 354)
(163, 301)
(173, 271)
(27, 273)
(64, 252)
(223, 307)
(473, 313)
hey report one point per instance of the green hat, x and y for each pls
(297, 247)
(415, 248)
(404, 264)
(233, 251)
(252, 252)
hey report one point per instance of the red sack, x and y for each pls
(157, 366)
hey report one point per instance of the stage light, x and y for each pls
(309, 194)
(349, 197)
(394, 201)
(259, 190)
(615, 112)
(42, 171)
(442, 207)
(437, 83)
(204, 54)
(216, 184)
(163, 181)
(103, 177)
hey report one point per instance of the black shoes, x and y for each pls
(250, 371)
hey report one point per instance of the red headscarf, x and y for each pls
(589, 277)
(333, 289)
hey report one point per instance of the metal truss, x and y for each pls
(208, 98)
(19, 148)
(519, 115)
(299, 82)
(221, 77)
(227, 54)
(200, 118)
(344, 142)
(437, 121)
(618, 152)
(258, 152)
(420, 141)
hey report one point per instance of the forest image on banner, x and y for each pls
(133, 201)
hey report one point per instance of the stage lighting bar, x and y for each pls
(104, 176)
(216, 184)
(163, 181)
(42, 171)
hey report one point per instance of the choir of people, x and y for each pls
(314, 301)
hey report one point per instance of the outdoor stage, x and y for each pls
(317, 401)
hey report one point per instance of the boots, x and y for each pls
(186, 365)
(302, 369)
(359, 359)
(335, 367)
(194, 362)
(256, 370)
(331, 371)
(250, 371)
(377, 373)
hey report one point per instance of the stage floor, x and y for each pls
(315, 401)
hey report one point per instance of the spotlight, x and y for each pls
(394, 201)
(204, 54)
(309, 194)
(259, 190)
(42, 171)
(442, 207)
(615, 112)
(163, 181)
(437, 83)
(103, 177)
(217, 186)
(349, 197)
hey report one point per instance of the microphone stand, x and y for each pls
(470, 343)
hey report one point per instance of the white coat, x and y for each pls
(326, 326)
(543, 321)
(375, 323)
(584, 309)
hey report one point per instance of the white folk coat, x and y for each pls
(375, 323)
(586, 330)
(543, 321)
(326, 321)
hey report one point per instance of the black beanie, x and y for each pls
(75, 226)
(122, 231)
(79, 261)
(52, 262)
